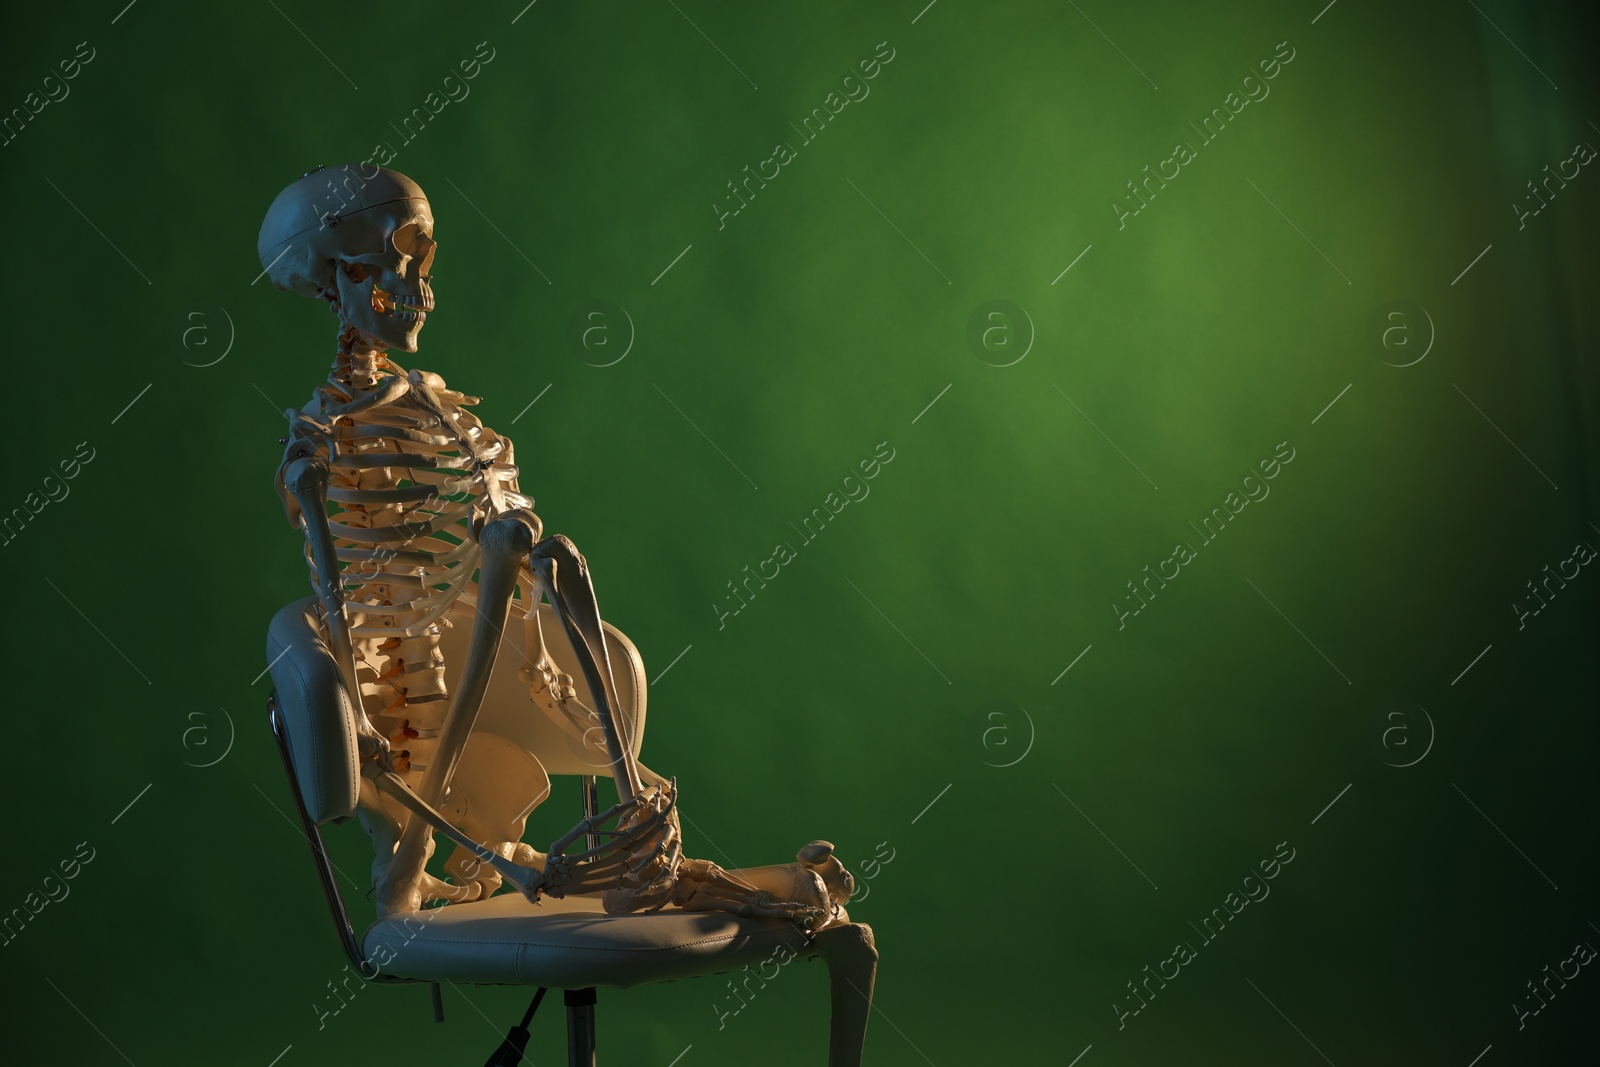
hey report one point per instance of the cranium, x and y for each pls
(361, 237)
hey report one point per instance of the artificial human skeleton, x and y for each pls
(426, 512)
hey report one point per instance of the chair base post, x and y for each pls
(580, 1027)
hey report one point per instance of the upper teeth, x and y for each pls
(402, 305)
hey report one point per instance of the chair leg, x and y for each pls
(580, 1026)
(852, 960)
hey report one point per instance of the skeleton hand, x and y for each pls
(635, 865)
(372, 746)
(556, 681)
(542, 670)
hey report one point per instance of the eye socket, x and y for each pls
(410, 240)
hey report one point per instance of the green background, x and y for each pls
(921, 639)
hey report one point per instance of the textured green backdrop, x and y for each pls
(1360, 616)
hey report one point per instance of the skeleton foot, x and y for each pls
(704, 886)
(431, 888)
(812, 891)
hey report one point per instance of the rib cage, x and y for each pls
(413, 475)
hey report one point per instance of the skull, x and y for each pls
(361, 237)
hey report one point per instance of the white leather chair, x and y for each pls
(568, 944)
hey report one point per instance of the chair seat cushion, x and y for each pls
(572, 943)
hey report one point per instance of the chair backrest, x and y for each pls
(313, 715)
(318, 722)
